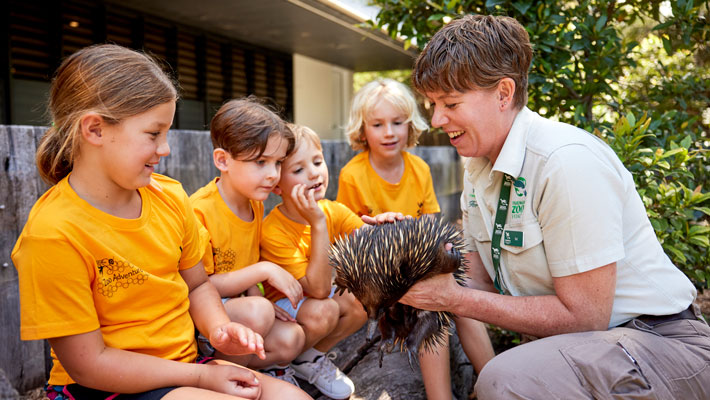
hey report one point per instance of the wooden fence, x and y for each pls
(26, 363)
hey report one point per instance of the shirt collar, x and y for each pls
(512, 155)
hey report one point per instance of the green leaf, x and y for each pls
(686, 142)
(630, 117)
(705, 210)
(673, 152)
(667, 45)
(664, 25)
(522, 7)
(700, 274)
(436, 17)
(675, 252)
(435, 5)
(655, 224)
(696, 198)
(600, 23)
(576, 46)
(703, 241)
(493, 3)
(698, 230)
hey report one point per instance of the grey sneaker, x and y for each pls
(285, 374)
(325, 376)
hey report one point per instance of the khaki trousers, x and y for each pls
(670, 360)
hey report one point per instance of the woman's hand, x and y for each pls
(236, 339)
(432, 294)
(229, 379)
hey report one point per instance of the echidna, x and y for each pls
(379, 264)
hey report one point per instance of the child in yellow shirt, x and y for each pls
(384, 121)
(250, 143)
(109, 261)
(297, 235)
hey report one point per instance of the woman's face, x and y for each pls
(472, 119)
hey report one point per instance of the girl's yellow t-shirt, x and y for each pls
(81, 269)
(366, 193)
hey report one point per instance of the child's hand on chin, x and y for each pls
(236, 339)
(306, 203)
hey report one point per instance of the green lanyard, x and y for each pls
(501, 215)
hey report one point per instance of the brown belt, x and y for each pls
(653, 320)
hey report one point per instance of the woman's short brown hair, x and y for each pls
(476, 52)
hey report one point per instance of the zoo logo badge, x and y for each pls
(521, 193)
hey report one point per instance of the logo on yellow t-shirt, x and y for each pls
(117, 274)
(223, 260)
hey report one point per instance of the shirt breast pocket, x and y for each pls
(519, 239)
(524, 259)
(475, 226)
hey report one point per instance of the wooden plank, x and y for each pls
(23, 362)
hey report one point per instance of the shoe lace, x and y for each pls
(325, 368)
(289, 374)
(284, 374)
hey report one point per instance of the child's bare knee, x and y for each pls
(351, 309)
(289, 341)
(256, 313)
(321, 316)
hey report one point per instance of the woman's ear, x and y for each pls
(506, 92)
(91, 125)
(219, 156)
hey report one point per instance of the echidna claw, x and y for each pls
(409, 358)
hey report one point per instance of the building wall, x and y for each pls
(209, 67)
(322, 94)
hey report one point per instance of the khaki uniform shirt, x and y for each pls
(577, 208)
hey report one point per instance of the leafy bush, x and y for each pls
(596, 65)
(678, 214)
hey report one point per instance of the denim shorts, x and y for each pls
(285, 303)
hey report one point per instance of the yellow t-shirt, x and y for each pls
(366, 193)
(81, 269)
(234, 243)
(288, 243)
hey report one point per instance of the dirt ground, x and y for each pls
(703, 301)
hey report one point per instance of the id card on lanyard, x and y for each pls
(512, 238)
